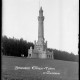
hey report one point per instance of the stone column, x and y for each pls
(40, 26)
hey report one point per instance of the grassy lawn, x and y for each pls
(68, 70)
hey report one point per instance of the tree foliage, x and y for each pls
(17, 47)
(63, 55)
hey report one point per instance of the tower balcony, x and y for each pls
(40, 18)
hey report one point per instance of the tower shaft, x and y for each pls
(40, 26)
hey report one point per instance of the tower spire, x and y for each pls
(40, 4)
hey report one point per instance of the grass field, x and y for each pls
(68, 70)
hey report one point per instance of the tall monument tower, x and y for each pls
(40, 26)
(41, 29)
(40, 47)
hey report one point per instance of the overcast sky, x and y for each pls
(19, 20)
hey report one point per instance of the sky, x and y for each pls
(61, 23)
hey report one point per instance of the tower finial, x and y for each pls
(40, 4)
(41, 8)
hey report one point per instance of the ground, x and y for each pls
(67, 70)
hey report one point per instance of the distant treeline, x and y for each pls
(18, 47)
(63, 55)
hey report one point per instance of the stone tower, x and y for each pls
(40, 47)
(40, 27)
(40, 41)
